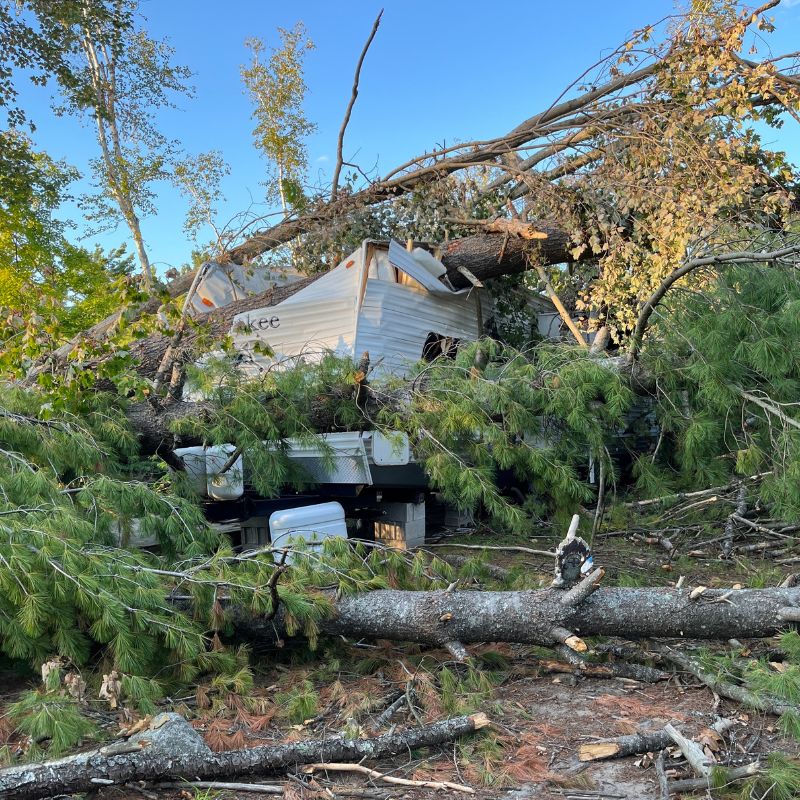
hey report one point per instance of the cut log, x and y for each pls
(171, 748)
(636, 743)
(625, 746)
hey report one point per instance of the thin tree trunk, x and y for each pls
(104, 84)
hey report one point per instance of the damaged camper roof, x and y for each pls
(383, 299)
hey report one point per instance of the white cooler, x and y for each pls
(312, 524)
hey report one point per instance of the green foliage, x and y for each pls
(538, 415)
(199, 179)
(713, 346)
(790, 644)
(785, 684)
(299, 703)
(464, 692)
(277, 89)
(424, 215)
(52, 718)
(779, 781)
(38, 39)
(535, 415)
(259, 414)
(65, 498)
(49, 289)
(778, 681)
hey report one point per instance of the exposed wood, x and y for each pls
(471, 277)
(625, 746)
(171, 748)
(379, 776)
(692, 751)
(225, 786)
(562, 311)
(636, 743)
(731, 775)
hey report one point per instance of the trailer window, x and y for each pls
(437, 346)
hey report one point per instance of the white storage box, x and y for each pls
(312, 524)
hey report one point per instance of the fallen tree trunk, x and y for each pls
(171, 748)
(622, 746)
(548, 617)
(534, 617)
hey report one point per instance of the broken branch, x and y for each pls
(379, 776)
(354, 94)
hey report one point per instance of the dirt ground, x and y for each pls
(539, 719)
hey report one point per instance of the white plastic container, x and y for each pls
(194, 461)
(390, 449)
(230, 484)
(312, 524)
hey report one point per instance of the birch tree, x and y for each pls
(277, 89)
(129, 78)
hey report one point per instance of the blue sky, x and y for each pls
(437, 72)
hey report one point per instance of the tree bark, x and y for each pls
(622, 746)
(542, 616)
(171, 748)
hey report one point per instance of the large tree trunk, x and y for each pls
(171, 748)
(532, 616)
(492, 255)
(543, 617)
(551, 617)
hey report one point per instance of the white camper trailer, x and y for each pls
(387, 301)
(395, 304)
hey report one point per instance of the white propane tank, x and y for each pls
(229, 485)
(194, 461)
(313, 524)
